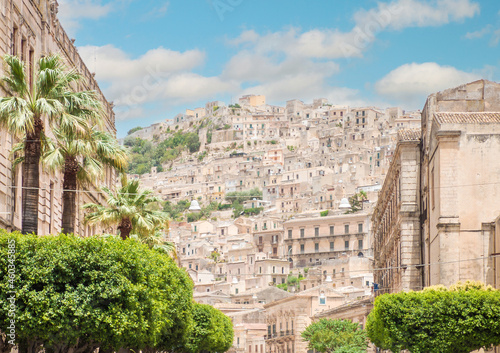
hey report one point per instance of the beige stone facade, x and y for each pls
(287, 318)
(396, 220)
(31, 29)
(436, 221)
(459, 168)
(312, 240)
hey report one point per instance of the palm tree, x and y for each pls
(82, 158)
(130, 208)
(49, 95)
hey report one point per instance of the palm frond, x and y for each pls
(16, 76)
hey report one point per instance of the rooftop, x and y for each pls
(409, 135)
(468, 118)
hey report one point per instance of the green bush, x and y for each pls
(327, 335)
(131, 131)
(88, 293)
(462, 318)
(212, 331)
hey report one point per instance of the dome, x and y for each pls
(195, 206)
(344, 204)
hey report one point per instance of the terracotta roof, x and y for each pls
(409, 135)
(468, 118)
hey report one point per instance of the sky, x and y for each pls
(154, 59)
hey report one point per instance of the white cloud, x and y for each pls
(410, 84)
(495, 39)
(250, 66)
(333, 44)
(479, 34)
(158, 11)
(160, 75)
(71, 11)
(402, 14)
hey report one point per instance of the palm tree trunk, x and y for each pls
(125, 228)
(69, 195)
(31, 179)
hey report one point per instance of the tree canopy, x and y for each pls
(145, 154)
(339, 336)
(462, 318)
(85, 293)
(212, 331)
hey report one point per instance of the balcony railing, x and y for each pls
(327, 236)
(282, 333)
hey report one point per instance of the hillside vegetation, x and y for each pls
(145, 154)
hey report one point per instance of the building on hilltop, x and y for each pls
(253, 100)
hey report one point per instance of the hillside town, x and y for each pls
(341, 207)
(239, 225)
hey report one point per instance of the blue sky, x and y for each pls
(154, 59)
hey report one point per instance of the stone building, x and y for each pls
(30, 29)
(460, 162)
(396, 220)
(287, 318)
(437, 216)
(311, 240)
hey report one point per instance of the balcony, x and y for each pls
(322, 236)
(282, 333)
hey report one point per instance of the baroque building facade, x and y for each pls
(31, 29)
(436, 221)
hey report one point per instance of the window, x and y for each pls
(289, 250)
(282, 280)
(301, 248)
(331, 246)
(195, 228)
(274, 269)
(302, 232)
(346, 243)
(322, 299)
(360, 228)
(346, 229)
(331, 230)
(236, 292)
(316, 231)
(196, 267)
(316, 247)
(360, 244)
(289, 234)
(260, 269)
(433, 202)
(274, 279)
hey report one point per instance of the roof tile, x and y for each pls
(468, 118)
